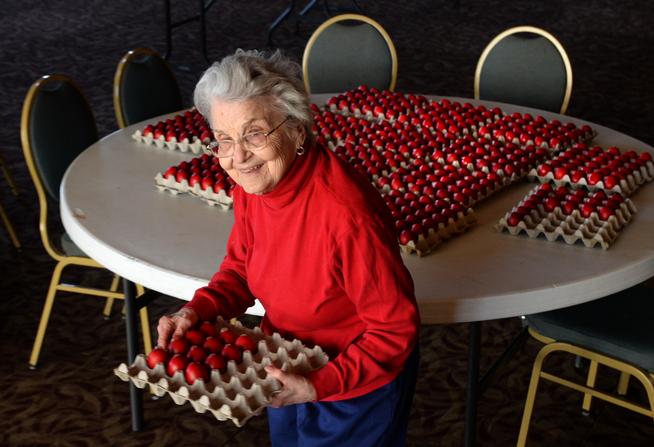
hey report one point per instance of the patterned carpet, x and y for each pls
(73, 399)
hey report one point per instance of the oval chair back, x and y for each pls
(57, 124)
(144, 87)
(347, 51)
(525, 66)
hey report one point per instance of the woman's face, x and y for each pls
(258, 171)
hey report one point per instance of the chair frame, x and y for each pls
(533, 30)
(627, 370)
(118, 79)
(3, 214)
(340, 18)
(62, 259)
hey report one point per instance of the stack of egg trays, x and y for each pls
(626, 186)
(243, 390)
(170, 184)
(591, 231)
(185, 145)
(442, 232)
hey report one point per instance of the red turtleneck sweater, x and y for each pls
(320, 253)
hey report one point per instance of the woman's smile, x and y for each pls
(250, 170)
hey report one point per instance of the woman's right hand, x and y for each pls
(175, 325)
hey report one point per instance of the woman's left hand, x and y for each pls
(295, 389)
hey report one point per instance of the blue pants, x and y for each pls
(379, 418)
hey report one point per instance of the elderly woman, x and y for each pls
(315, 243)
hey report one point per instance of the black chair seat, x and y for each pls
(70, 248)
(618, 326)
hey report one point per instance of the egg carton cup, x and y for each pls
(444, 231)
(591, 231)
(170, 184)
(626, 187)
(185, 145)
(243, 390)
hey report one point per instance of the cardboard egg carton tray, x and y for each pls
(243, 390)
(554, 225)
(185, 145)
(444, 231)
(582, 138)
(627, 186)
(170, 184)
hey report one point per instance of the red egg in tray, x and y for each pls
(596, 168)
(572, 215)
(219, 367)
(185, 132)
(202, 177)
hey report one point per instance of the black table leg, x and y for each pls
(203, 32)
(131, 318)
(470, 429)
(169, 29)
(307, 8)
(283, 16)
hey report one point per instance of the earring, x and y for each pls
(300, 150)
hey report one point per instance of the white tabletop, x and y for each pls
(173, 244)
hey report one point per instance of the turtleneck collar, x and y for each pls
(295, 179)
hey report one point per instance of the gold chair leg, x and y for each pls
(623, 383)
(145, 329)
(110, 301)
(45, 315)
(590, 382)
(8, 176)
(9, 227)
(531, 398)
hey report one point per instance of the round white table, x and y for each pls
(173, 245)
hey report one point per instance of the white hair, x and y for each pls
(253, 74)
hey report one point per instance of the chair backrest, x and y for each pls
(525, 66)
(144, 87)
(57, 124)
(347, 51)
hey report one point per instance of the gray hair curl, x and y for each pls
(253, 74)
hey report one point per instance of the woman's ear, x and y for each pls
(301, 135)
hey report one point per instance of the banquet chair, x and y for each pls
(9, 227)
(144, 87)
(57, 124)
(8, 176)
(346, 51)
(614, 332)
(525, 66)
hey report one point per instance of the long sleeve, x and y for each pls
(227, 294)
(379, 285)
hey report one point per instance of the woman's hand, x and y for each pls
(295, 389)
(175, 325)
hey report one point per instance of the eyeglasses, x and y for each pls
(253, 141)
